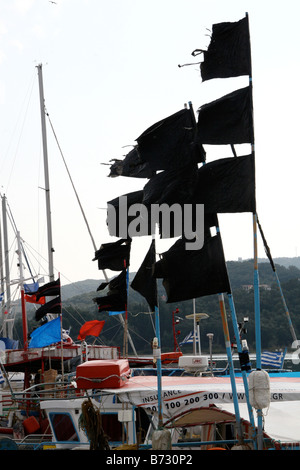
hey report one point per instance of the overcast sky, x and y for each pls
(110, 71)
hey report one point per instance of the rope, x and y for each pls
(76, 194)
(90, 421)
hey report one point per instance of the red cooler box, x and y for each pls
(103, 373)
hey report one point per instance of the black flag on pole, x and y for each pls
(227, 120)
(118, 218)
(228, 54)
(132, 166)
(111, 302)
(53, 306)
(170, 142)
(144, 282)
(116, 298)
(114, 256)
(227, 185)
(171, 186)
(49, 289)
(188, 274)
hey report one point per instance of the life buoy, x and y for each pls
(67, 341)
(259, 389)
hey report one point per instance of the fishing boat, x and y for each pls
(197, 411)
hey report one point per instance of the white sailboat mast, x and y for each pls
(7, 324)
(46, 172)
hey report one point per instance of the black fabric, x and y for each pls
(227, 120)
(116, 284)
(144, 282)
(51, 288)
(116, 298)
(132, 166)
(53, 306)
(170, 142)
(112, 302)
(171, 186)
(135, 197)
(114, 256)
(189, 274)
(228, 54)
(227, 185)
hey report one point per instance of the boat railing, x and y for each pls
(61, 388)
(90, 352)
(42, 442)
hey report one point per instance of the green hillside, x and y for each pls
(274, 325)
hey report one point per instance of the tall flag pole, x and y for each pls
(125, 341)
(146, 284)
(229, 120)
(231, 367)
(61, 334)
(256, 273)
(244, 360)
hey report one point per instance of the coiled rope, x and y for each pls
(90, 421)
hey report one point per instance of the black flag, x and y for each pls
(144, 282)
(120, 206)
(228, 54)
(112, 302)
(116, 298)
(189, 274)
(116, 284)
(168, 188)
(171, 186)
(53, 306)
(132, 165)
(227, 120)
(227, 185)
(51, 288)
(170, 142)
(114, 256)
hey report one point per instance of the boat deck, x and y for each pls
(16, 360)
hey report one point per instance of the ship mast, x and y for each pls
(7, 324)
(46, 172)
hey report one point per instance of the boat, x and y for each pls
(48, 350)
(198, 411)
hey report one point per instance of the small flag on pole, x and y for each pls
(91, 328)
(189, 338)
(31, 288)
(273, 359)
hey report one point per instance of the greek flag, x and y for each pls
(189, 338)
(273, 359)
(1, 378)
